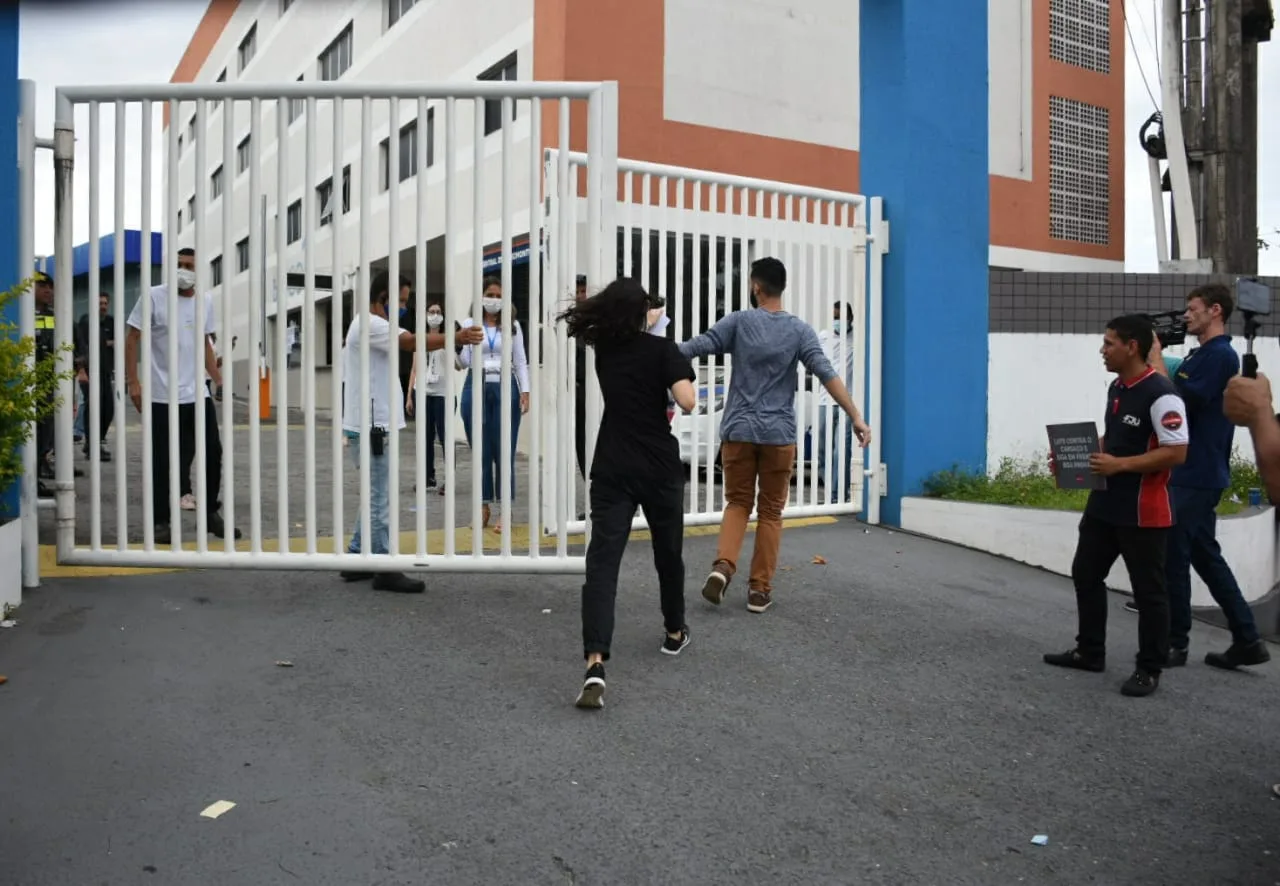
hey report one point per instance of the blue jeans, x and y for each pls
(838, 474)
(435, 431)
(81, 403)
(491, 444)
(1193, 543)
(379, 499)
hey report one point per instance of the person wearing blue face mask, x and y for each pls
(838, 345)
(489, 353)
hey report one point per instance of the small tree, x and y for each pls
(27, 393)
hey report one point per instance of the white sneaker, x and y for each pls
(188, 502)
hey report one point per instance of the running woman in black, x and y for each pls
(636, 464)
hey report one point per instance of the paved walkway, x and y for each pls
(887, 722)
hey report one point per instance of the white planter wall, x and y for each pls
(10, 565)
(1047, 539)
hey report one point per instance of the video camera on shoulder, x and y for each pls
(1170, 327)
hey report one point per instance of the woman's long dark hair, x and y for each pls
(614, 315)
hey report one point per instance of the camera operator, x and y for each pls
(382, 345)
(1197, 484)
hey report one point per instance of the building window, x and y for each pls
(1079, 172)
(431, 137)
(324, 196)
(191, 207)
(1080, 33)
(191, 129)
(293, 222)
(179, 142)
(243, 155)
(284, 6)
(242, 255)
(215, 184)
(336, 58)
(297, 106)
(408, 154)
(504, 70)
(215, 272)
(248, 46)
(222, 78)
(396, 10)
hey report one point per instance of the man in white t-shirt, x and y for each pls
(838, 345)
(387, 417)
(195, 360)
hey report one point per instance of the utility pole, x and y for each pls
(1217, 75)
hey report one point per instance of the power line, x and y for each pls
(1137, 58)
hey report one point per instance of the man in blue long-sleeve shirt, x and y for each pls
(758, 427)
(1197, 485)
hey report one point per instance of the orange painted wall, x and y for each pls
(1020, 209)
(624, 40)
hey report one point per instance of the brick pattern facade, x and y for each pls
(1022, 301)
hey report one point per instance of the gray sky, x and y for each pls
(138, 41)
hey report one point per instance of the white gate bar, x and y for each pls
(506, 456)
(477, 316)
(228, 498)
(310, 332)
(327, 89)
(879, 245)
(533, 336)
(204, 285)
(118, 392)
(29, 503)
(362, 296)
(280, 365)
(64, 294)
(453, 281)
(392, 381)
(337, 310)
(420, 356)
(144, 371)
(257, 299)
(93, 401)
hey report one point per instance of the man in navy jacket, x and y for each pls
(1197, 485)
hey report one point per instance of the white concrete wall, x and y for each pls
(1009, 47)
(767, 67)
(1038, 380)
(1048, 538)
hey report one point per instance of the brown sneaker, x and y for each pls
(758, 601)
(714, 587)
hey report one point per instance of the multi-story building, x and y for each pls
(768, 89)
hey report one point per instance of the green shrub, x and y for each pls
(1030, 485)
(27, 393)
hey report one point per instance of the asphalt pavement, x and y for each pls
(888, 721)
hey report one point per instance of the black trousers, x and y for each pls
(107, 402)
(614, 500)
(186, 455)
(1143, 552)
(580, 426)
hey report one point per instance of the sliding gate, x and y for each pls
(690, 235)
(250, 180)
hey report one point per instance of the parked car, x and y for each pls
(705, 420)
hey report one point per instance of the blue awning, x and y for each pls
(107, 257)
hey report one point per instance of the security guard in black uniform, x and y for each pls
(46, 345)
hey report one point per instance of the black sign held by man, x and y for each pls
(1070, 446)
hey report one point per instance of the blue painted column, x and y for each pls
(11, 269)
(923, 148)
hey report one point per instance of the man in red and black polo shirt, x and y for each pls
(1146, 436)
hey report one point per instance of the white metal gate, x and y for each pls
(690, 235)
(218, 173)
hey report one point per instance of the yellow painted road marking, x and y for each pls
(49, 567)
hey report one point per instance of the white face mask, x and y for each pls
(186, 279)
(434, 318)
(492, 305)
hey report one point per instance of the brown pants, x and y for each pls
(744, 465)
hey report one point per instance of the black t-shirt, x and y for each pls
(635, 436)
(1143, 414)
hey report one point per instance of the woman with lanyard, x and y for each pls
(636, 463)
(435, 393)
(490, 356)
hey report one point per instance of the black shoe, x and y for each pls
(104, 454)
(1131, 606)
(1140, 683)
(1177, 658)
(1075, 659)
(218, 527)
(592, 694)
(397, 583)
(431, 482)
(1237, 654)
(356, 576)
(672, 645)
(162, 534)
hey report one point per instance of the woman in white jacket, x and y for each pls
(434, 389)
(489, 353)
